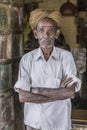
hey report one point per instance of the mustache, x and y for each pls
(46, 40)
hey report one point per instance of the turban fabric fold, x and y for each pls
(39, 14)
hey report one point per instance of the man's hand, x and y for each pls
(67, 82)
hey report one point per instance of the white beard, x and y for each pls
(46, 44)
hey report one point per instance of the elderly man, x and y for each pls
(47, 77)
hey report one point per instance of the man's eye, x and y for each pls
(41, 30)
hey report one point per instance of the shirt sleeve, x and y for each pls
(69, 68)
(23, 81)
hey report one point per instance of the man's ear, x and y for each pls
(35, 34)
(57, 33)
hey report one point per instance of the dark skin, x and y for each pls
(46, 35)
(46, 94)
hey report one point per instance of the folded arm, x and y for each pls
(45, 94)
(25, 96)
(57, 93)
(65, 91)
(42, 95)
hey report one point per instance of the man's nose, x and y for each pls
(46, 34)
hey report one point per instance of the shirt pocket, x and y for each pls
(52, 82)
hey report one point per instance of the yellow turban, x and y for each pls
(39, 14)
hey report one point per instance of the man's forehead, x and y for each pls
(44, 24)
(47, 22)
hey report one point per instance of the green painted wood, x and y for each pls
(5, 75)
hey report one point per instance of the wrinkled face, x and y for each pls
(46, 33)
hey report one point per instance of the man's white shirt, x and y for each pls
(35, 71)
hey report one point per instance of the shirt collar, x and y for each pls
(39, 54)
(54, 53)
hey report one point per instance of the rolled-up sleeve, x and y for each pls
(77, 81)
(23, 81)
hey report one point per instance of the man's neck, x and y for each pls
(47, 52)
